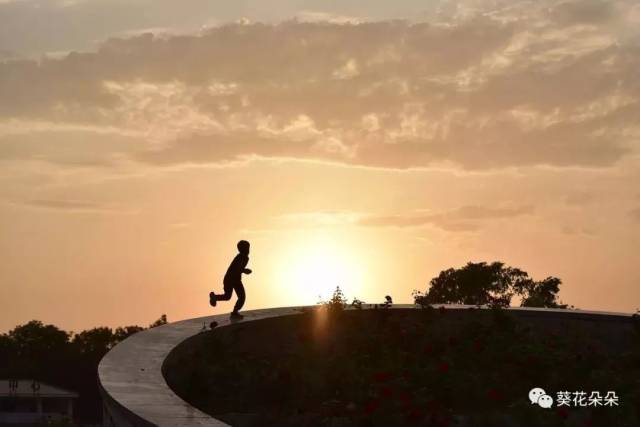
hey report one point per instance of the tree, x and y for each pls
(95, 341)
(7, 351)
(33, 348)
(543, 294)
(490, 284)
(35, 338)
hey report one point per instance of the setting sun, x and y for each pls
(316, 270)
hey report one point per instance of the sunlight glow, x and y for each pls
(315, 268)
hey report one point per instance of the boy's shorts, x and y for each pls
(231, 286)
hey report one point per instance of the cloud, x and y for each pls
(465, 218)
(315, 16)
(6, 54)
(583, 12)
(320, 218)
(516, 87)
(579, 198)
(475, 212)
(223, 148)
(74, 206)
(34, 27)
(80, 146)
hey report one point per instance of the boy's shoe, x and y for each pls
(212, 299)
(236, 316)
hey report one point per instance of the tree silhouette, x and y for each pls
(33, 346)
(337, 302)
(95, 341)
(35, 338)
(490, 284)
(48, 354)
(543, 294)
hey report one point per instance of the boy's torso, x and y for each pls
(234, 272)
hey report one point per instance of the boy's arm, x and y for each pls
(244, 265)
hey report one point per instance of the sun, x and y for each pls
(315, 268)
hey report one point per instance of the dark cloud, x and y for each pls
(479, 93)
(218, 148)
(37, 26)
(583, 12)
(296, 60)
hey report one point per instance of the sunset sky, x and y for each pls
(366, 144)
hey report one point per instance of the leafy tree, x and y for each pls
(95, 341)
(35, 338)
(490, 284)
(542, 294)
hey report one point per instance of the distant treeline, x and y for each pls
(64, 359)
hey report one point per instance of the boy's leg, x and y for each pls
(228, 290)
(239, 288)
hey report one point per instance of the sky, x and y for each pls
(368, 145)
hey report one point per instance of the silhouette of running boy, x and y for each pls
(233, 280)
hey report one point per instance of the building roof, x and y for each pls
(24, 390)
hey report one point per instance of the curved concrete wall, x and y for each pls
(135, 392)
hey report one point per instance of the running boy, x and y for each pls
(233, 280)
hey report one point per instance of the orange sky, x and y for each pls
(349, 148)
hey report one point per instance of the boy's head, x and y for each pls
(243, 247)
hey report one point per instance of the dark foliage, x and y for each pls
(64, 359)
(490, 284)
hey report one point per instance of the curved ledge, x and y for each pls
(135, 392)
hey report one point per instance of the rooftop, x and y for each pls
(25, 389)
